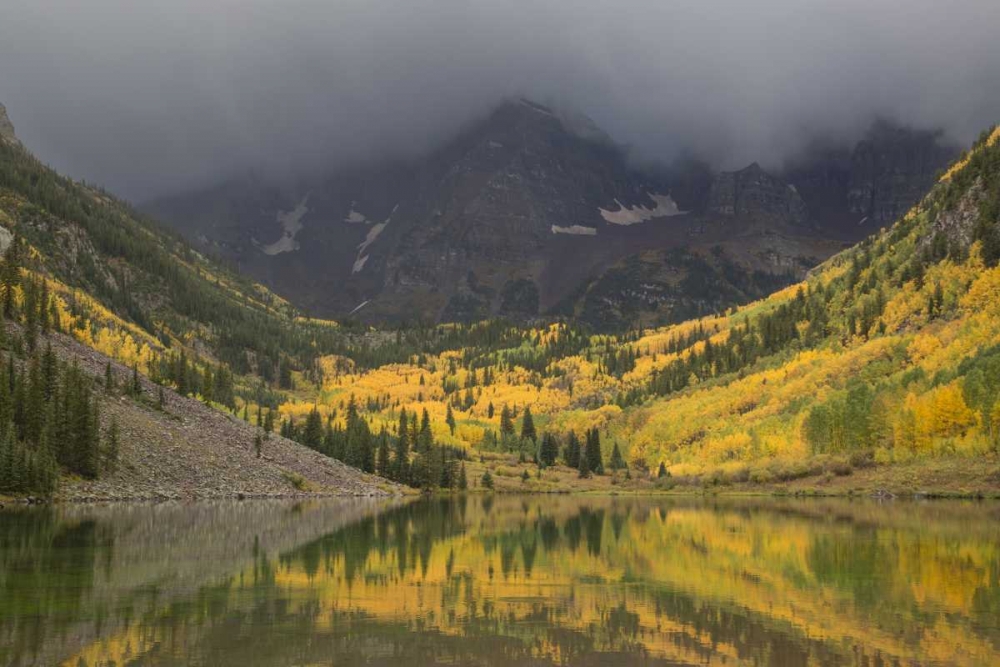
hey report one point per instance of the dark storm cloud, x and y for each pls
(150, 97)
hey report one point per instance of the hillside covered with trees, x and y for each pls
(887, 355)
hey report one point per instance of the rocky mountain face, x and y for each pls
(874, 183)
(892, 169)
(7, 127)
(752, 194)
(533, 212)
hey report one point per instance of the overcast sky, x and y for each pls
(147, 97)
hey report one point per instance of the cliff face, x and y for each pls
(7, 127)
(524, 212)
(853, 191)
(756, 195)
(509, 218)
(891, 170)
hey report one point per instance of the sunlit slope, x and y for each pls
(885, 353)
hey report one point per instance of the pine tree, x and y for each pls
(549, 450)
(383, 465)
(258, 444)
(662, 472)
(617, 462)
(425, 439)
(487, 480)
(44, 319)
(206, 385)
(595, 462)
(450, 420)
(506, 423)
(572, 452)
(109, 379)
(10, 277)
(312, 434)
(584, 466)
(528, 426)
(401, 458)
(463, 481)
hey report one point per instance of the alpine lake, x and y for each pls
(502, 580)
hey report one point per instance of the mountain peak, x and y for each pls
(573, 122)
(7, 128)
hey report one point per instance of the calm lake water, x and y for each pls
(502, 581)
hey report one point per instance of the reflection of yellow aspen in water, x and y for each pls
(633, 575)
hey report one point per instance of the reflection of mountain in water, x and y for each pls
(581, 581)
(76, 573)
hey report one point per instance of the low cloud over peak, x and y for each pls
(150, 99)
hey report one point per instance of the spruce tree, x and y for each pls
(425, 438)
(109, 379)
(450, 420)
(528, 426)
(584, 466)
(383, 465)
(401, 458)
(506, 423)
(595, 462)
(312, 434)
(10, 277)
(572, 452)
(617, 462)
(549, 450)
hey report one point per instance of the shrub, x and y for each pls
(297, 481)
(864, 458)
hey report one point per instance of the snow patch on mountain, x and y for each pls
(355, 217)
(291, 225)
(579, 230)
(625, 215)
(370, 238)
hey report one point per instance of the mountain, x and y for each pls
(880, 370)
(125, 356)
(7, 128)
(530, 212)
(882, 359)
(874, 183)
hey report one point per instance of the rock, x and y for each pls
(7, 128)
(891, 169)
(756, 195)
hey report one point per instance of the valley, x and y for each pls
(862, 377)
(483, 334)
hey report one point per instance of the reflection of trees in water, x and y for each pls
(608, 581)
(410, 531)
(47, 568)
